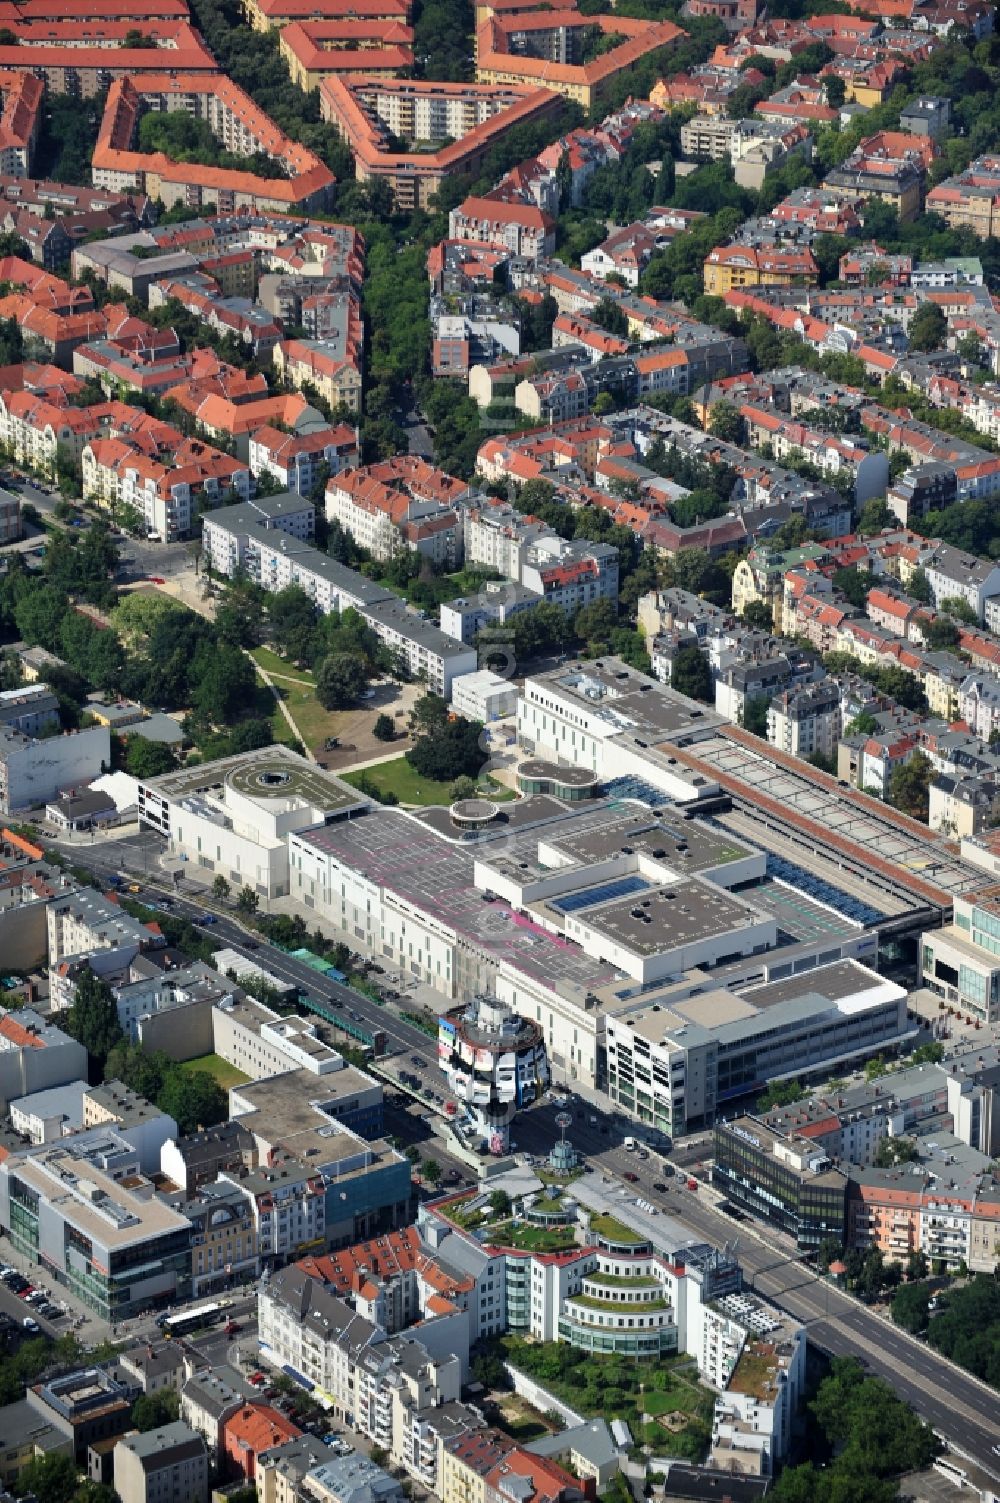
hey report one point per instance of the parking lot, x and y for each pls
(34, 1305)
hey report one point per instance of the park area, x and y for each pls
(663, 1403)
(352, 727)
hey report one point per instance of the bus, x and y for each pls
(190, 1320)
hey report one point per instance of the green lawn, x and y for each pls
(314, 723)
(531, 1238)
(398, 777)
(280, 728)
(619, 1281)
(614, 1230)
(681, 1395)
(271, 663)
(590, 1302)
(212, 1064)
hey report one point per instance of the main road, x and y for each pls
(961, 1409)
(135, 857)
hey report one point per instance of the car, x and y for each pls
(231, 1327)
(415, 1059)
(632, 1178)
(250, 944)
(29, 1324)
(206, 918)
(604, 1129)
(692, 1184)
(588, 1168)
(155, 579)
(453, 1176)
(26, 1292)
(367, 694)
(256, 1380)
(668, 1169)
(134, 887)
(355, 1016)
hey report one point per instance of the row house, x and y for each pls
(164, 483)
(331, 366)
(521, 228)
(385, 521)
(33, 430)
(299, 461)
(952, 1217)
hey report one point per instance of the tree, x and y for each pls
(853, 585)
(248, 901)
(220, 889)
(928, 328)
(863, 724)
(453, 752)
(959, 608)
(691, 675)
(916, 1266)
(463, 787)
(194, 1099)
(500, 1203)
(384, 728)
(940, 634)
(758, 615)
(754, 717)
(147, 759)
(910, 1307)
(909, 786)
(292, 619)
(893, 1150)
(919, 587)
(780, 1093)
(429, 715)
(430, 1170)
(340, 679)
(50, 1479)
(828, 1252)
(726, 423)
(610, 316)
(836, 90)
(93, 1018)
(151, 1410)
(874, 515)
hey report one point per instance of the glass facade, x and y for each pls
(807, 1204)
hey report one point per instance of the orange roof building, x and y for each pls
(238, 122)
(251, 1430)
(269, 15)
(79, 58)
(539, 49)
(368, 111)
(315, 50)
(20, 118)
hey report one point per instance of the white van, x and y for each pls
(630, 1145)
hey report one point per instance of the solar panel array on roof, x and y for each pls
(591, 896)
(822, 891)
(637, 788)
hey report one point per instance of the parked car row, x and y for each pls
(35, 1296)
